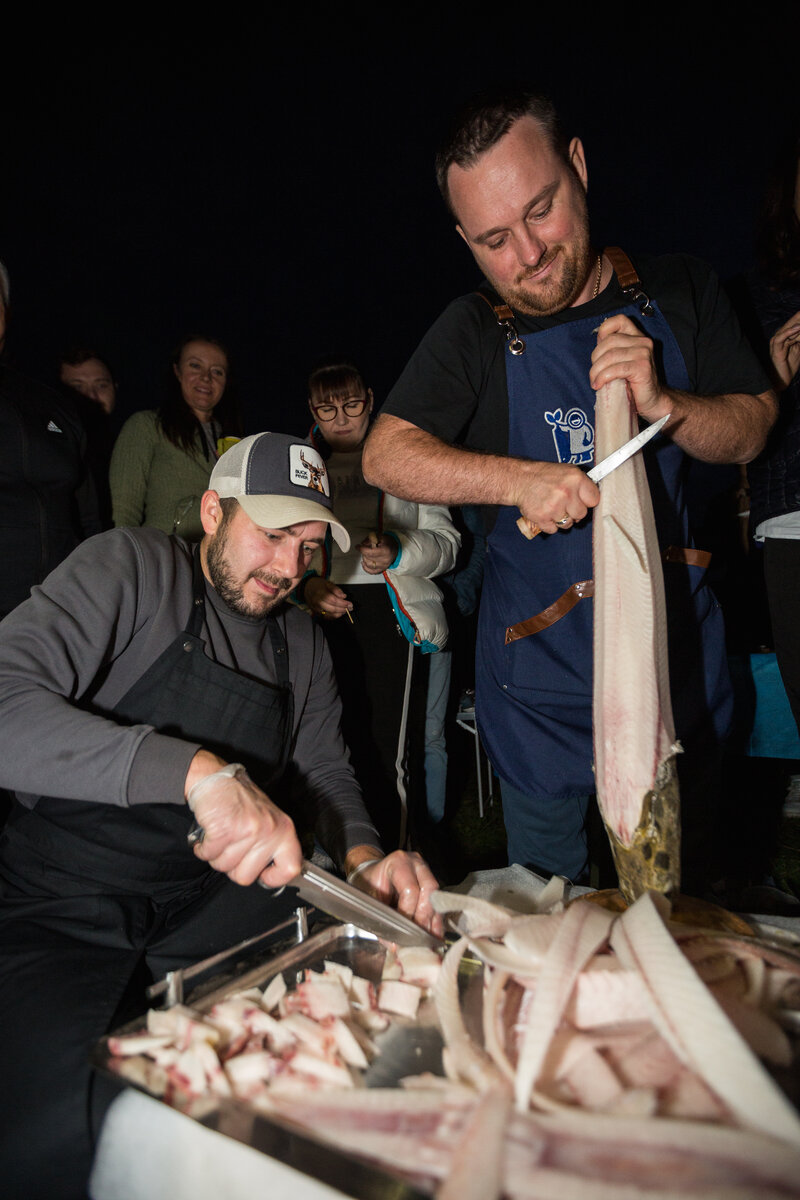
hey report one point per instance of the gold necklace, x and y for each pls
(599, 276)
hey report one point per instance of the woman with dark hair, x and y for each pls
(380, 605)
(163, 459)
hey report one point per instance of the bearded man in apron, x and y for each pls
(509, 375)
(131, 684)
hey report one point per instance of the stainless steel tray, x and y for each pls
(406, 1048)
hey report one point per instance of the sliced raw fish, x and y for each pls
(634, 732)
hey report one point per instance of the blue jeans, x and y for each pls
(547, 834)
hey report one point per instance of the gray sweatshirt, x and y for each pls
(96, 624)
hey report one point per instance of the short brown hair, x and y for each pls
(484, 120)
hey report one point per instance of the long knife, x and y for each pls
(614, 460)
(347, 903)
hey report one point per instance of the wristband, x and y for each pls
(362, 866)
(226, 772)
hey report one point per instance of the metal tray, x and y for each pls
(406, 1048)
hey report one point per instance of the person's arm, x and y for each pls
(446, 392)
(129, 470)
(56, 650)
(411, 463)
(244, 834)
(248, 838)
(716, 429)
(431, 548)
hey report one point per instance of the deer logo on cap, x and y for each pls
(307, 469)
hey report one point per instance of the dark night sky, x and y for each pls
(275, 188)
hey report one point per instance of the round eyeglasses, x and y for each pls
(352, 407)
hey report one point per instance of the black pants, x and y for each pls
(74, 961)
(782, 578)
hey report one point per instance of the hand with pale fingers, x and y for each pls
(326, 598)
(624, 352)
(784, 350)
(245, 835)
(405, 881)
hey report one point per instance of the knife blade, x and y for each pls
(618, 457)
(347, 903)
(609, 464)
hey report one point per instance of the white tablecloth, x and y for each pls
(148, 1151)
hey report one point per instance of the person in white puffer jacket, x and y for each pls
(382, 610)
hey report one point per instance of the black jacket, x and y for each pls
(47, 499)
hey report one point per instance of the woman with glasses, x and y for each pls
(162, 460)
(383, 613)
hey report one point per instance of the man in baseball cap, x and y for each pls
(278, 481)
(273, 491)
(147, 685)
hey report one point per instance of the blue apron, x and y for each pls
(534, 695)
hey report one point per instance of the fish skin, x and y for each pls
(651, 861)
(634, 733)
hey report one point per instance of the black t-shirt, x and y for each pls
(454, 385)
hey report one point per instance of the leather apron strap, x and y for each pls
(689, 556)
(686, 555)
(549, 616)
(628, 279)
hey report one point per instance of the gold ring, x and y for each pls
(563, 520)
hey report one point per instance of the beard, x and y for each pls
(231, 590)
(563, 286)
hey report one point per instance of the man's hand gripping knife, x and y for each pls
(244, 835)
(239, 831)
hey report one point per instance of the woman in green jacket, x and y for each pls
(163, 459)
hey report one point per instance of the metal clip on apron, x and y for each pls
(187, 695)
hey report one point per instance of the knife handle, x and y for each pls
(195, 836)
(527, 528)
